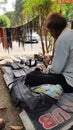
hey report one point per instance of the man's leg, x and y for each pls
(37, 78)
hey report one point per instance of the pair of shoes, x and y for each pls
(2, 123)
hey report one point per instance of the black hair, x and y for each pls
(56, 21)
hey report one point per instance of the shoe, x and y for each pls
(2, 123)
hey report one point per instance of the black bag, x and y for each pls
(33, 103)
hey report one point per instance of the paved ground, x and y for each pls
(10, 114)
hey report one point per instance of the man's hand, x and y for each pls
(47, 60)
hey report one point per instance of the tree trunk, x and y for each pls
(41, 34)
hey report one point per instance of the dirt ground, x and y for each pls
(10, 114)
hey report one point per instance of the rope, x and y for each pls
(22, 24)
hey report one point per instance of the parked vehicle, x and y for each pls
(32, 38)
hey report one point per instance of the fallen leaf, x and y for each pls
(16, 127)
(2, 108)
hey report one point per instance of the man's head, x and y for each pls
(55, 23)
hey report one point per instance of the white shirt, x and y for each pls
(63, 59)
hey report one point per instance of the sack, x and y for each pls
(33, 102)
(21, 93)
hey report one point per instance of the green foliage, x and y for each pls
(69, 11)
(19, 18)
(57, 7)
(11, 16)
(25, 10)
(34, 7)
(4, 21)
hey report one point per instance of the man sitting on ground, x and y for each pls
(61, 71)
